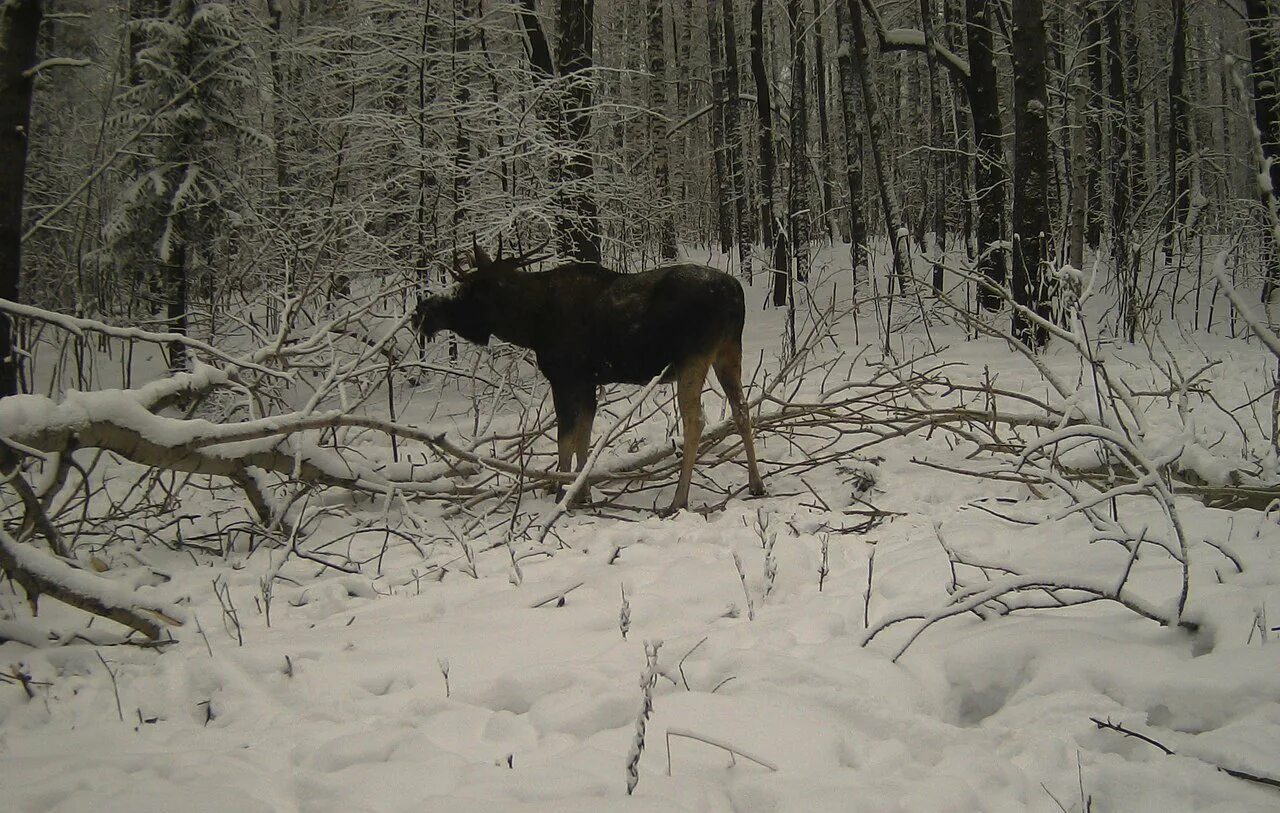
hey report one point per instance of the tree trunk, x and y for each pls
(426, 178)
(724, 191)
(824, 131)
(764, 110)
(1179, 144)
(1266, 116)
(1075, 112)
(1137, 104)
(684, 104)
(1122, 181)
(734, 138)
(657, 131)
(19, 29)
(938, 153)
(1096, 116)
(579, 220)
(461, 73)
(798, 216)
(988, 171)
(852, 144)
(174, 275)
(875, 137)
(1031, 231)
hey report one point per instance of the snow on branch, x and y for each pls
(912, 39)
(41, 573)
(56, 62)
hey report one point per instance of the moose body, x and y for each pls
(589, 326)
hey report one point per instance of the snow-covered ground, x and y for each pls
(415, 686)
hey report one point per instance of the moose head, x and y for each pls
(470, 308)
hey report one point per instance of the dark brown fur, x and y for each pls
(590, 326)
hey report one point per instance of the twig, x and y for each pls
(557, 597)
(703, 738)
(115, 687)
(1129, 732)
(680, 666)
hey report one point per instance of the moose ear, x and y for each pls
(482, 260)
(457, 272)
(499, 254)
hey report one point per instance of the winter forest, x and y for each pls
(312, 500)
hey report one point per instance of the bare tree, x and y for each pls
(989, 172)
(849, 117)
(1179, 141)
(1124, 160)
(719, 146)
(580, 223)
(876, 140)
(657, 130)
(735, 139)
(19, 29)
(824, 130)
(764, 112)
(1263, 47)
(1031, 227)
(798, 215)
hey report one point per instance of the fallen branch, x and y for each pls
(40, 573)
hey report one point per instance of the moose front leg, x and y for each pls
(575, 412)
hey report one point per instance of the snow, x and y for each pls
(341, 702)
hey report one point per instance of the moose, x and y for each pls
(588, 326)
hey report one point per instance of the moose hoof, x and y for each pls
(756, 489)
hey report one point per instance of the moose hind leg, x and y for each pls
(582, 439)
(582, 431)
(689, 396)
(728, 366)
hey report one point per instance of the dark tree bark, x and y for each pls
(539, 50)
(1123, 161)
(1137, 103)
(724, 190)
(1179, 141)
(175, 273)
(1031, 229)
(19, 30)
(1096, 116)
(875, 139)
(275, 16)
(461, 72)
(426, 178)
(764, 110)
(580, 221)
(852, 144)
(735, 140)
(797, 191)
(989, 169)
(1266, 116)
(1075, 114)
(657, 131)
(938, 154)
(144, 268)
(685, 100)
(824, 129)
